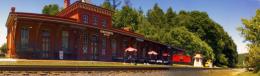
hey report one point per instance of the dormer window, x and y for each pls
(85, 18)
(104, 23)
(95, 20)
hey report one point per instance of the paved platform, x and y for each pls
(6, 64)
(73, 65)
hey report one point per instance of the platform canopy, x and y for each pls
(198, 56)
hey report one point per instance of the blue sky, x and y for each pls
(227, 13)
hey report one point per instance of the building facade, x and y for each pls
(81, 31)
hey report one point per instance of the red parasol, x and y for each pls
(165, 54)
(130, 49)
(152, 53)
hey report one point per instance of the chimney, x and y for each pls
(13, 9)
(66, 3)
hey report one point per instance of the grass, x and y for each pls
(181, 65)
(71, 63)
(249, 74)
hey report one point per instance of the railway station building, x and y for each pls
(82, 31)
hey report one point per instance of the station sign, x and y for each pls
(106, 33)
(139, 39)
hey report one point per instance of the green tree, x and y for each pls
(3, 48)
(113, 3)
(212, 33)
(156, 16)
(251, 32)
(106, 4)
(144, 26)
(170, 17)
(223, 59)
(181, 37)
(190, 30)
(51, 9)
(254, 56)
(127, 17)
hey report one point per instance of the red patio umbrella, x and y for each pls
(165, 54)
(130, 49)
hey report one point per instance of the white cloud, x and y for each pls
(2, 37)
(242, 49)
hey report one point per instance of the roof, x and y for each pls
(130, 32)
(197, 56)
(81, 5)
(43, 17)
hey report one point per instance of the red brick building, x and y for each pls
(82, 31)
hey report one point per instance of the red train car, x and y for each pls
(180, 57)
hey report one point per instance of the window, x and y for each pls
(85, 42)
(85, 18)
(144, 52)
(104, 22)
(113, 43)
(45, 43)
(104, 45)
(94, 45)
(125, 44)
(65, 39)
(24, 38)
(95, 20)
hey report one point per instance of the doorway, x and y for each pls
(94, 47)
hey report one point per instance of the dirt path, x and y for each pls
(237, 71)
